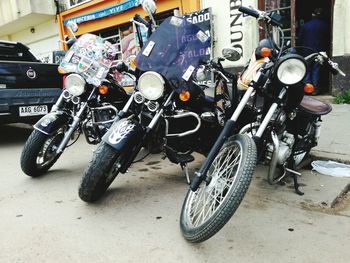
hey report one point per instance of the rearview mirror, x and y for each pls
(149, 6)
(72, 27)
(231, 54)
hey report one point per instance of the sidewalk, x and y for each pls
(334, 143)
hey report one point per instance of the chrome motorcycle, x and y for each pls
(88, 104)
(168, 112)
(284, 130)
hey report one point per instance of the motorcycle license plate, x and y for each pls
(33, 110)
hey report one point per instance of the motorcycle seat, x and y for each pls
(314, 106)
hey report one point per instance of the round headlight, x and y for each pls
(151, 85)
(75, 84)
(291, 69)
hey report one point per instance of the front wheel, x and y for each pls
(101, 172)
(39, 152)
(207, 210)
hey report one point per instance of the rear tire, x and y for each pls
(231, 172)
(39, 152)
(100, 173)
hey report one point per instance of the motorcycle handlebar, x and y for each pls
(249, 11)
(334, 68)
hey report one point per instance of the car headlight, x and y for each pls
(291, 69)
(151, 85)
(75, 84)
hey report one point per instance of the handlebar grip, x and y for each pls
(139, 19)
(333, 71)
(248, 11)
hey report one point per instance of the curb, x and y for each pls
(327, 156)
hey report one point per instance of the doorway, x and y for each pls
(303, 14)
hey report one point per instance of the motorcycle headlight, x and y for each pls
(291, 69)
(151, 85)
(75, 84)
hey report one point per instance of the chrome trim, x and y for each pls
(160, 112)
(66, 95)
(75, 100)
(156, 75)
(242, 104)
(274, 159)
(72, 127)
(139, 98)
(106, 107)
(56, 106)
(178, 116)
(152, 105)
(266, 120)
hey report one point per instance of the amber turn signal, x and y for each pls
(103, 89)
(133, 63)
(265, 52)
(309, 88)
(61, 70)
(184, 95)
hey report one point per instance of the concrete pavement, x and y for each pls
(43, 220)
(334, 142)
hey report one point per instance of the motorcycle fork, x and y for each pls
(149, 128)
(58, 103)
(225, 133)
(73, 126)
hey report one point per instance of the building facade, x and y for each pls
(32, 22)
(110, 19)
(232, 29)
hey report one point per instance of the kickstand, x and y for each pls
(295, 175)
(296, 184)
(185, 172)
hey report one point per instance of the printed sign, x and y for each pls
(115, 9)
(202, 19)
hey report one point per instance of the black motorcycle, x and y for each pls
(284, 130)
(88, 104)
(168, 112)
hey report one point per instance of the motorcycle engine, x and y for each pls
(286, 142)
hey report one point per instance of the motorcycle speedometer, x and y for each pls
(75, 84)
(291, 69)
(151, 85)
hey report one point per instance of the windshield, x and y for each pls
(91, 57)
(175, 50)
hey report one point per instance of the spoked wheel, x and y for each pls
(100, 173)
(39, 152)
(207, 210)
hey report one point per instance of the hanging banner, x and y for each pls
(112, 10)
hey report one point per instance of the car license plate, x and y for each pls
(32, 110)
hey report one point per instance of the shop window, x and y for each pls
(284, 8)
(74, 3)
(123, 37)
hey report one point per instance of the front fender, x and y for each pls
(52, 121)
(124, 134)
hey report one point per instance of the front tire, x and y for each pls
(39, 152)
(207, 210)
(100, 173)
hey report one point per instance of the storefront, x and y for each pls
(110, 19)
(232, 29)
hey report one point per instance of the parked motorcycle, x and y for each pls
(286, 127)
(89, 102)
(168, 113)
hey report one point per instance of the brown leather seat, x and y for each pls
(314, 106)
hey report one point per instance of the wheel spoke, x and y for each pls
(208, 198)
